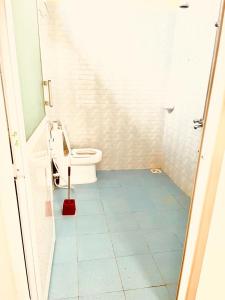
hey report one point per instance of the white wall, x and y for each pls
(109, 62)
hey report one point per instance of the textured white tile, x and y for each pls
(109, 97)
(113, 100)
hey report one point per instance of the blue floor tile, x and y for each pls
(116, 206)
(92, 207)
(151, 219)
(127, 237)
(129, 243)
(114, 200)
(139, 271)
(122, 222)
(91, 224)
(65, 226)
(184, 201)
(107, 179)
(94, 246)
(139, 199)
(105, 296)
(65, 250)
(112, 194)
(90, 194)
(176, 218)
(172, 289)
(131, 178)
(180, 232)
(162, 240)
(166, 202)
(78, 188)
(169, 264)
(64, 281)
(156, 293)
(98, 276)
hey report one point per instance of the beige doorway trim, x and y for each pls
(209, 200)
(210, 159)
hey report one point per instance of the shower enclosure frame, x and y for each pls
(188, 276)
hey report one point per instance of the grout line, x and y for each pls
(115, 258)
(77, 253)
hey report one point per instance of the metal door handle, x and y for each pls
(48, 83)
(198, 123)
(198, 126)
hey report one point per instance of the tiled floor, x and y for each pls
(125, 241)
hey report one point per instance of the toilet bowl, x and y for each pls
(82, 161)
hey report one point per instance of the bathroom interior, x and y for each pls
(127, 82)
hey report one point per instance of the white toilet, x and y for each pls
(82, 161)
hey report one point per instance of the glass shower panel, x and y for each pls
(29, 62)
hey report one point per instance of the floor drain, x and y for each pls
(156, 171)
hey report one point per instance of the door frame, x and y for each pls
(11, 85)
(208, 171)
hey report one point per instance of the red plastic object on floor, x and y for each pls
(69, 205)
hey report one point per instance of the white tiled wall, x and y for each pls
(109, 63)
(115, 64)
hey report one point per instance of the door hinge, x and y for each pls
(17, 173)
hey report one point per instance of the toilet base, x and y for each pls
(83, 174)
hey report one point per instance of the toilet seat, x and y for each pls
(83, 153)
(82, 161)
(85, 156)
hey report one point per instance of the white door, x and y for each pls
(193, 52)
(13, 273)
(41, 205)
(194, 40)
(32, 163)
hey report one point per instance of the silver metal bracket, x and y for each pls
(198, 123)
